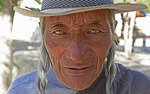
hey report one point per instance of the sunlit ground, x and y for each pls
(139, 61)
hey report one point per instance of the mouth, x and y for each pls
(78, 70)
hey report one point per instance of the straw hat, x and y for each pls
(63, 7)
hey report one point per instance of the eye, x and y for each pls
(59, 32)
(93, 31)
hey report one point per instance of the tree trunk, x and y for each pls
(128, 24)
(128, 21)
(6, 20)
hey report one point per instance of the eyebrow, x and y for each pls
(61, 24)
(57, 23)
(96, 22)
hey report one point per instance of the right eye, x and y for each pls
(93, 31)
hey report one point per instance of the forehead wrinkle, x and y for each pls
(80, 19)
(76, 20)
(108, 20)
(53, 21)
(48, 21)
(97, 17)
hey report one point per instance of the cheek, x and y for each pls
(105, 45)
(55, 49)
(101, 52)
(101, 45)
(101, 49)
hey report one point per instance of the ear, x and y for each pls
(116, 22)
(39, 25)
(114, 36)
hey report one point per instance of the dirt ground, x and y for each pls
(140, 61)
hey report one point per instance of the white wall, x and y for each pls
(23, 26)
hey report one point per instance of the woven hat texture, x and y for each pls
(51, 4)
(63, 7)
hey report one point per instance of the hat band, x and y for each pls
(58, 10)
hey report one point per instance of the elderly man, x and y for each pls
(77, 53)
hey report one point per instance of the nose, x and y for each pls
(78, 50)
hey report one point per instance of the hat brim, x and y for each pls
(118, 8)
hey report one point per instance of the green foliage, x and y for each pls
(34, 9)
(38, 1)
(1, 4)
(120, 1)
(147, 2)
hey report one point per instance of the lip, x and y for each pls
(78, 70)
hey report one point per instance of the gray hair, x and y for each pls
(45, 62)
(110, 66)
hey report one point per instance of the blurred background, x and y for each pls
(20, 40)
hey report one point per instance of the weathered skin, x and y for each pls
(77, 45)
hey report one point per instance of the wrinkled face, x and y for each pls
(77, 45)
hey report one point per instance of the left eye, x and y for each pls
(93, 31)
(58, 32)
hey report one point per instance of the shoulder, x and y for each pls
(140, 82)
(132, 75)
(24, 84)
(132, 81)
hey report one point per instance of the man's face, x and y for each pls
(77, 45)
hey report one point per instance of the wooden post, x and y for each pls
(128, 33)
(127, 30)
